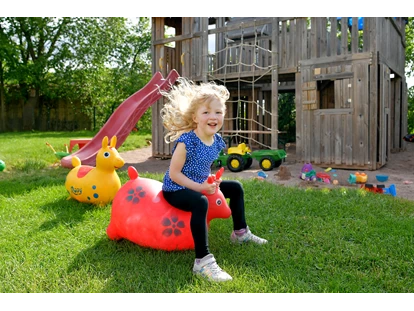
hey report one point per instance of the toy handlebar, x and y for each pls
(212, 178)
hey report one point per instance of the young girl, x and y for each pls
(192, 116)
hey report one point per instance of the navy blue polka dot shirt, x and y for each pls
(197, 165)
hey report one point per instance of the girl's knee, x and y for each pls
(201, 205)
(238, 187)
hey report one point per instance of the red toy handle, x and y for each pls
(219, 173)
(213, 178)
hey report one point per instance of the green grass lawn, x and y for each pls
(338, 241)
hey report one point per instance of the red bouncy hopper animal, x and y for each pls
(141, 215)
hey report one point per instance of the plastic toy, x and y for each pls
(352, 179)
(409, 138)
(2, 165)
(361, 177)
(141, 215)
(381, 189)
(307, 172)
(96, 185)
(382, 178)
(373, 188)
(59, 155)
(391, 190)
(326, 178)
(357, 178)
(241, 158)
(262, 175)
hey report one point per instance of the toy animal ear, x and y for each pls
(219, 172)
(132, 173)
(113, 142)
(105, 142)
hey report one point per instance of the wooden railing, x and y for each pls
(301, 39)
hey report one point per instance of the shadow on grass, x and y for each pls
(22, 183)
(67, 213)
(125, 267)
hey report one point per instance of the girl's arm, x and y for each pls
(176, 166)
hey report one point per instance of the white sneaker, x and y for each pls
(208, 268)
(248, 236)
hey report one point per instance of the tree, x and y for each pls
(409, 65)
(409, 49)
(95, 60)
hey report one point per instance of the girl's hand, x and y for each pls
(208, 188)
(218, 181)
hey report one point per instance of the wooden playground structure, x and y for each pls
(347, 75)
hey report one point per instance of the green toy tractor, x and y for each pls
(241, 158)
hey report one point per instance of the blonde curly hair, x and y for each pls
(183, 100)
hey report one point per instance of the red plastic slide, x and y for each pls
(124, 118)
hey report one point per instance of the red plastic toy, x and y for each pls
(141, 215)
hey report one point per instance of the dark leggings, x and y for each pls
(197, 203)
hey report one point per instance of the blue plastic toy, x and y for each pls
(391, 190)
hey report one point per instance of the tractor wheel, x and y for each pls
(235, 163)
(278, 163)
(267, 163)
(249, 162)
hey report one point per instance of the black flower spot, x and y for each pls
(134, 195)
(174, 225)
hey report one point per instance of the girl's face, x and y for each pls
(209, 117)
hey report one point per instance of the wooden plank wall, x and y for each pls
(398, 114)
(297, 41)
(184, 62)
(197, 51)
(322, 38)
(360, 104)
(390, 47)
(59, 115)
(158, 64)
(404, 112)
(302, 45)
(384, 127)
(374, 109)
(338, 136)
